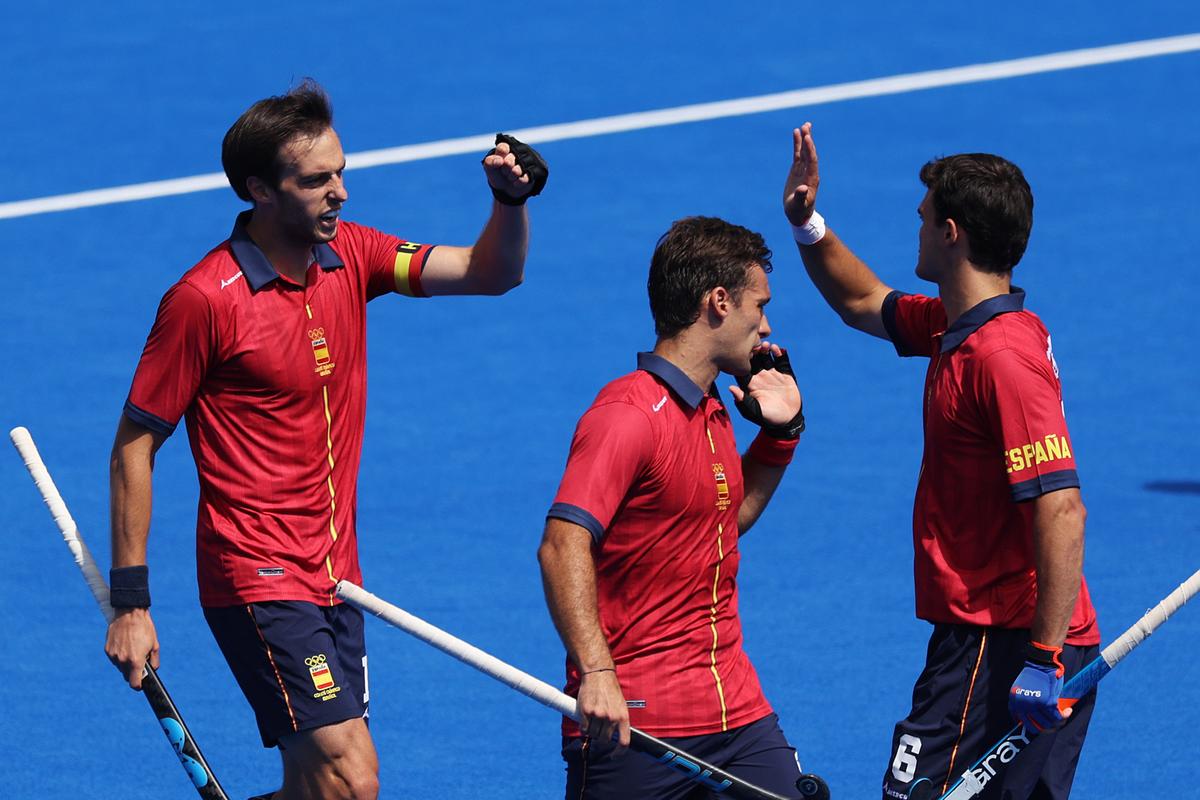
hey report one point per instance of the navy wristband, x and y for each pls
(129, 587)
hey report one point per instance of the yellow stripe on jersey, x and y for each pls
(329, 455)
(712, 621)
(333, 534)
(404, 269)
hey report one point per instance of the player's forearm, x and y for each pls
(1058, 537)
(130, 469)
(760, 481)
(497, 261)
(569, 581)
(847, 284)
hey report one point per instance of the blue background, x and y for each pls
(473, 401)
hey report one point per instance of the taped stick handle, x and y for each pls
(1149, 621)
(164, 708)
(716, 779)
(28, 451)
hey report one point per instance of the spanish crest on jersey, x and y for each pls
(320, 348)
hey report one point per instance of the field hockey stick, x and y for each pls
(999, 755)
(200, 774)
(713, 778)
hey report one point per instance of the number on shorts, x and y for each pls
(904, 766)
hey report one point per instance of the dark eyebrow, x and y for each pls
(323, 175)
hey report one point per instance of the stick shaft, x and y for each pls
(716, 779)
(164, 707)
(62, 517)
(465, 652)
(1082, 682)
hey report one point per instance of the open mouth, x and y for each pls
(330, 216)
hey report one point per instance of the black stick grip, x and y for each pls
(200, 774)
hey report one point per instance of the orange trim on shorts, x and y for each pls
(583, 751)
(287, 701)
(962, 725)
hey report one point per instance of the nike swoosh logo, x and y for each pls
(659, 404)
(225, 283)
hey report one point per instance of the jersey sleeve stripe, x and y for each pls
(579, 516)
(1042, 484)
(410, 261)
(148, 420)
(888, 313)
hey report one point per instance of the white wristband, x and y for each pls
(810, 232)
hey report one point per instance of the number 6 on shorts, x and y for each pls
(904, 765)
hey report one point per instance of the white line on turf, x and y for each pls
(876, 87)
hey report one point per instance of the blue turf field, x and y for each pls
(472, 402)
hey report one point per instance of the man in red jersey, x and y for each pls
(261, 346)
(998, 520)
(640, 553)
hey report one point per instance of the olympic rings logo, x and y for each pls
(316, 333)
(313, 661)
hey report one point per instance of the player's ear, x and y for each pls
(952, 231)
(259, 191)
(719, 302)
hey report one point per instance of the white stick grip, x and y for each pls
(1156, 616)
(451, 645)
(62, 517)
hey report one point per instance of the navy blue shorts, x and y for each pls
(758, 753)
(300, 665)
(960, 709)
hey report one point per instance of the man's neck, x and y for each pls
(967, 287)
(692, 360)
(289, 258)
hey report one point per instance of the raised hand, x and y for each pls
(769, 396)
(515, 171)
(800, 190)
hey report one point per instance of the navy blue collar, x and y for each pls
(975, 316)
(254, 263)
(675, 378)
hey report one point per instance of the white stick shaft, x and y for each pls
(62, 517)
(1151, 620)
(523, 682)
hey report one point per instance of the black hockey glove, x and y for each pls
(532, 164)
(749, 407)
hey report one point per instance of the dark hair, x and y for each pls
(695, 256)
(988, 197)
(251, 147)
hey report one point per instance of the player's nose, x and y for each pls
(339, 189)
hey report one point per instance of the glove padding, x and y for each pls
(748, 405)
(1033, 699)
(531, 163)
